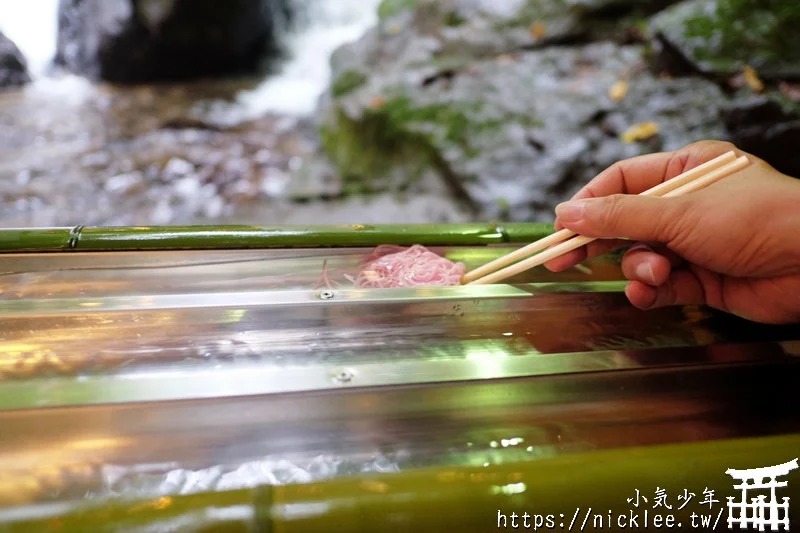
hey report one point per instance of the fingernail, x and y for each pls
(570, 211)
(644, 271)
(638, 247)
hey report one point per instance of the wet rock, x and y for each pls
(513, 134)
(176, 168)
(767, 128)
(133, 41)
(125, 183)
(187, 188)
(96, 159)
(13, 66)
(696, 37)
(490, 27)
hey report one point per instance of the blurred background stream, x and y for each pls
(361, 111)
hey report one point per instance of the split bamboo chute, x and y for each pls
(446, 499)
(565, 241)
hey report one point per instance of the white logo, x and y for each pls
(759, 512)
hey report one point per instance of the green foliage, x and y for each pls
(398, 134)
(347, 82)
(453, 19)
(366, 151)
(402, 114)
(754, 31)
(391, 8)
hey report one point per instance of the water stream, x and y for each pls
(228, 151)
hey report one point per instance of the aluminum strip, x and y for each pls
(248, 299)
(152, 386)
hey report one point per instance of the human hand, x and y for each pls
(734, 246)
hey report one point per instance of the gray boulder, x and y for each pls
(132, 41)
(766, 125)
(13, 67)
(688, 40)
(769, 127)
(513, 129)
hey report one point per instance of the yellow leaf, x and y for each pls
(752, 79)
(537, 30)
(618, 91)
(640, 132)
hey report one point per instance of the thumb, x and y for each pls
(622, 216)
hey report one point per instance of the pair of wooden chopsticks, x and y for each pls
(693, 180)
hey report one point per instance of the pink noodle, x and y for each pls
(393, 266)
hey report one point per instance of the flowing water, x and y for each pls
(228, 151)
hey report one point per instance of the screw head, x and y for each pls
(326, 295)
(343, 376)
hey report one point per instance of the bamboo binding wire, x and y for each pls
(690, 181)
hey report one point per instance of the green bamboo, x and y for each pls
(241, 237)
(463, 499)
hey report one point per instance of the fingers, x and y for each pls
(607, 207)
(655, 282)
(590, 251)
(639, 218)
(682, 287)
(641, 263)
(636, 175)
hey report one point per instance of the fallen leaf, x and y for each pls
(537, 30)
(618, 91)
(752, 79)
(377, 102)
(640, 132)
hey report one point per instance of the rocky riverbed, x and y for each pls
(155, 155)
(435, 111)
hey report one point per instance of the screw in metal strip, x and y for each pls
(343, 376)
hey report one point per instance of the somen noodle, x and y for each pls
(394, 266)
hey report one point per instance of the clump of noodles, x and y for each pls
(394, 266)
(324, 279)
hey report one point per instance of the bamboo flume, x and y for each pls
(83, 239)
(595, 488)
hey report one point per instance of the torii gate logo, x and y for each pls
(758, 512)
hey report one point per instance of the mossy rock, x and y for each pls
(397, 141)
(720, 37)
(391, 8)
(500, 117)
(347, 82)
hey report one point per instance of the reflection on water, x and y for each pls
(234, 310)
(99, 480)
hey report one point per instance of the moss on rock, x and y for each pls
(721, 36)
(754, 31)
(398, 134)
(390, 8)
(347, 81)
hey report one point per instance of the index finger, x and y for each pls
(638, 174)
